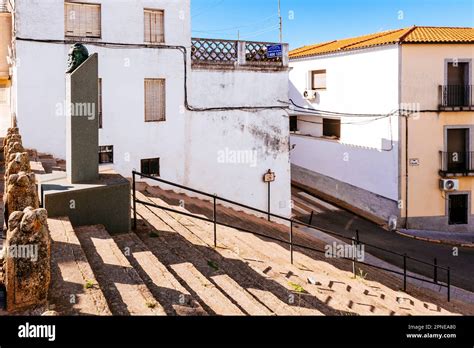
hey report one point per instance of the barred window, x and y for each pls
(106, 154)
(150, 166)
(155, 100)
(82, 20)
(154, 26)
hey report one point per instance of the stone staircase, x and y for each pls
(169, 266)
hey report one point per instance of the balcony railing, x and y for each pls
(457, 163)
(232, 52)
(456, 96)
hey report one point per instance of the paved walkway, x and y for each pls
(329, 217)
(465, 239)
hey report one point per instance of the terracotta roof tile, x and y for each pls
(406, 35)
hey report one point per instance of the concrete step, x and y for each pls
(124, 289)
(252, 290)
(192, 270)
(176, 300)
(211, 298)
(74, 289)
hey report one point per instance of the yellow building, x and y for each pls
(417, 162)
(437, 156)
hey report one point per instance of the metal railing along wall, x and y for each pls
(290, 242)
(456, 95)
(220, 51)
(457, 162)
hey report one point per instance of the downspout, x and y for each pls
(407, 161)
(406, 171)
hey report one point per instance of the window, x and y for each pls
(458, 209)
(332, 128)
(82, 20)
(150, 166)
(155, 103)
(154, 26)
(293, 123)
(99, 106)
(458, 150)
(318, 79)
(458, 90)
(106, 154)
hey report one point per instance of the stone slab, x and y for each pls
(105, 201)
(82, 128)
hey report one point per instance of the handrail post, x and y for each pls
(214, 217)
(291, 241)
(134, 203)
(405, 272)
(311, 217)
(435, 280)
(449, 284)
(353, 257)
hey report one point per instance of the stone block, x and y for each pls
(27, 262)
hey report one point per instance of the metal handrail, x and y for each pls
(293, 223)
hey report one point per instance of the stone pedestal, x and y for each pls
(105, 201)
(82, 125)
(81, 194)
(27, 262)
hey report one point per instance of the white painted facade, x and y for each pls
(358, 82)
(190, 145)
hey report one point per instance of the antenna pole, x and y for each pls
(281, 21)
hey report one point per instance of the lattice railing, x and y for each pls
(257, 52)
(231, 51)
(212, 50)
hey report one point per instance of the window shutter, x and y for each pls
(83, 20)
(154, 26)
(147, 26)
(319, 79)
(155, 100)
(160, 27)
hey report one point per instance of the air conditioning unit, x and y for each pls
(310, 94)
(449, 184)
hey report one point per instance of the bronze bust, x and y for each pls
(77, 55)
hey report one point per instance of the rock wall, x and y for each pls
(27, 256)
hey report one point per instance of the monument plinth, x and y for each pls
(83, 194)
(82, 124)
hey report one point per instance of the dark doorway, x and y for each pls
(458, 144)
(458, 89)
(458, 209)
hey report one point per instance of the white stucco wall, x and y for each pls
(263, 134)
(358, 82)
(187, 143)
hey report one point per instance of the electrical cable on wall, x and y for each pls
(183, 50)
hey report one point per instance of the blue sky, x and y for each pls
(311, 21)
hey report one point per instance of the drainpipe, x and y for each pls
(406, 171)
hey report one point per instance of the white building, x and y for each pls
(360, 147)
(146, 123)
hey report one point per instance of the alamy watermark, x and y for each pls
(228, 156)
(25, 251)
(348, 251)
(76, 110)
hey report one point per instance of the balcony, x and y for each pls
(231, 54)
(456, 98)
(457, 164)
